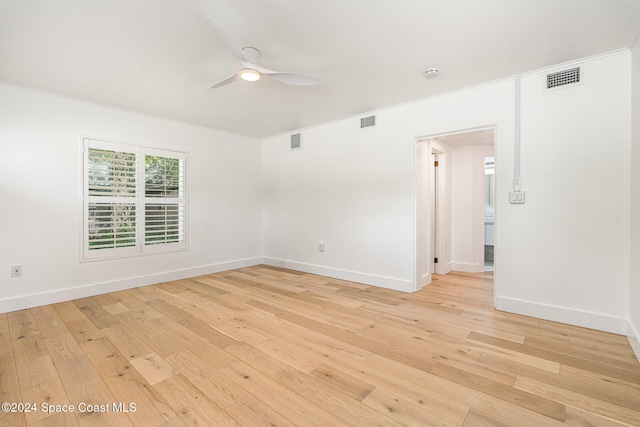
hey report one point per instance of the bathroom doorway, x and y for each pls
(489, 212)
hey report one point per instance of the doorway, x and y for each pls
(489, 212)
(454, 225)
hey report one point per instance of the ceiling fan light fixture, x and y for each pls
(250, 75)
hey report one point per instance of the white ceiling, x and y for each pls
(161, 57)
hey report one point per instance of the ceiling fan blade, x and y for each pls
(226, 81)
(248, 56)
(226, 39)
(294, 79)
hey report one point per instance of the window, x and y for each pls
(134, 200)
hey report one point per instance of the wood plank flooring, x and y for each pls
(274, 347)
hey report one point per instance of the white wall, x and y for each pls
(40, 190)
(634, 300)
(564, 255)
(355, 189)
(349, 188)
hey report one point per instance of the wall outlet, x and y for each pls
(16, 270)
(516, 197)
(321, 247)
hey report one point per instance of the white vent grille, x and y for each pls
(296, 141)
(367, 122)
(563, 78)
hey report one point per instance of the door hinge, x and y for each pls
(435, 163)
(435, 260)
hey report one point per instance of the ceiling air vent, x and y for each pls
(296, 141)
(367, 122)
(563, 78)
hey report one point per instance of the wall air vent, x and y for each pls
(296, 141)
(367, 122)
(563, 78)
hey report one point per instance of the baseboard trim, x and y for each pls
(423, 281)
(633, 335)
(35, 300)
(467, 267)
(601, 322)
(352, 276)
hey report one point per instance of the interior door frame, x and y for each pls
(437, 193)
(426, 217)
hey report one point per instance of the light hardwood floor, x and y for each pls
(267, 346)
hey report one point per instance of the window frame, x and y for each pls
(139, 200)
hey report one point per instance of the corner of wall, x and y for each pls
(633, 335)
(634, 273)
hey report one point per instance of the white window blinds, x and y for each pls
(164, 199)
(111, 187)
(134, 200)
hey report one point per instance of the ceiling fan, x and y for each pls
(247, 56)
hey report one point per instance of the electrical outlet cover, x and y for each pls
(16, 270)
